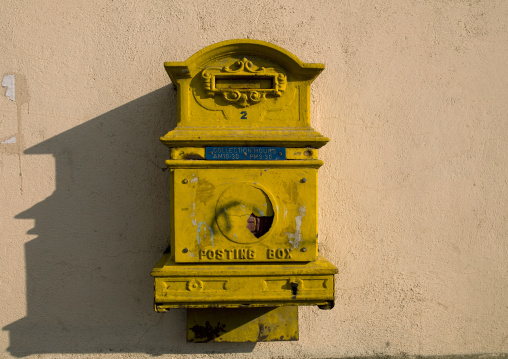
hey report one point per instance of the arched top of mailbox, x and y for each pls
(243, 48)
(243, 93)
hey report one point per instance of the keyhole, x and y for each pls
(294, 288)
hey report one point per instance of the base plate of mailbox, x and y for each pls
(242, 324)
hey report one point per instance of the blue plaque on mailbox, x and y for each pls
(245, 153)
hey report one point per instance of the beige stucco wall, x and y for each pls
(413, 194)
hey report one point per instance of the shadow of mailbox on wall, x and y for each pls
(88, 288)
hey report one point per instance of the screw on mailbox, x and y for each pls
(185, 250)
(304, 249)
(185, 181)
(303, 180)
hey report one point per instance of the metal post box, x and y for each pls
(243, 181)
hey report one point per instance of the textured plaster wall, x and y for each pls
(413, 194)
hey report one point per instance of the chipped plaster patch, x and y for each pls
(8, 81)
(10, 140)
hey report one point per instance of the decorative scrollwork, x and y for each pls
(243, 65)
(243, 83)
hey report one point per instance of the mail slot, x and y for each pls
(244, 82)
(243, 190)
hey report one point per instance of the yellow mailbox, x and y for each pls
(243, 173)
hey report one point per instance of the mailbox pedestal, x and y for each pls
(243, 195)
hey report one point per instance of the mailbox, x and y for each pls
(243, 179)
